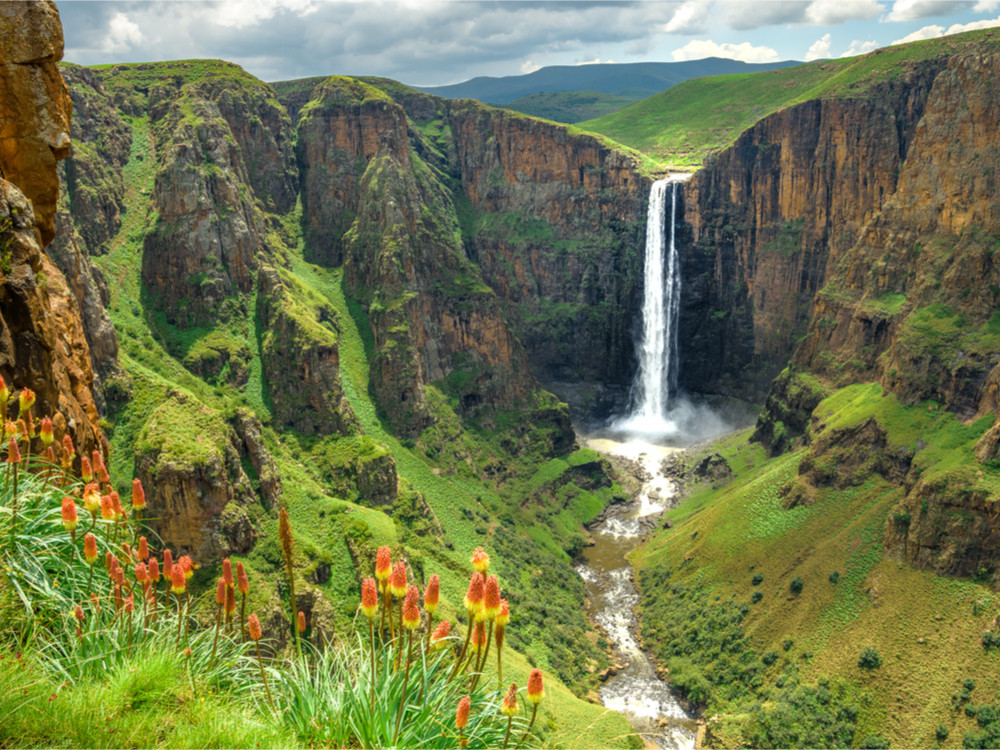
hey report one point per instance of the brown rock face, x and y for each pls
(34, 121)
(301, 362)
(42, 343)
(771, 214)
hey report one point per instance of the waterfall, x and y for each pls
(656, 380)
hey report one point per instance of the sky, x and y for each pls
(436, 42)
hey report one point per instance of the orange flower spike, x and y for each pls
(480, 635)
(474, 596)
(45, 432)
(411, 612)
(509, 706)
(397, 581)
(168, 564)
(116, 506)
(4, 392)
(491, 598)
(480, 560)
(25, 401)
(141, 573)
(100, 470)
(69, 517)
(187, 566)
(177, 581)
(86, 470)
(107, 508)
(90, 549)
(78, 613)
(143, 548)
(119, 575)
(241, 579)
(301, 621)
(432, 595)
(462, 713)
(440, 633)
(49, 455)
(154, 571)
(109, 560)
(138, 495)
(503, 617)
(13, 452)
(383, 564)
(230, 600)
(92, 498)
(68, 452)
(220, 592)
(130, 603)
(369, 598)
(253, 625)
(535, 690)
(227, 572)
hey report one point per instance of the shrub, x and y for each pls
(870, 658)
(769, 657)
(796, 585)
(941, 733)
(969, 684)
(834, 577)
(875, 742)
(756, 597)
(757, 579)
(787, 645)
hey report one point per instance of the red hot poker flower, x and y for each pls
(168, 564)
(227, 572)
(491, 598)
(230, 600)
(509, 706)
(474, 596)
(369, 598)
(187, 566)
(383, 564)
(535, 690)
(220, 592)
(107, 508)
(141, 573)
(25, 401)
(253, 626)
(78, 613)
(433, 594)
(138, 495)
(462, 713)
(45, 431)
(90, 549)
(241, 579)
(13, 452)
(440, 632)
(177, 581)
(480, 560)
(503, 617)
(69, 517)
(143, 548)
(302, 621)
(397, 581)
(154, 570)
(411, 613)
(86, 470)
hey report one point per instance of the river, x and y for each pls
(636, 691)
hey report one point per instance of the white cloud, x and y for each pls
(912, 10)
(701, 48)
(934, 31)
(123, 35)
(820, 49)
(986, 6)
(859, 48)
(529, 67)
(596, 61)
(690, 18)
(831, 12)
(241, 14)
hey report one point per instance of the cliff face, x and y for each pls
(483, 232)
(42, 342)
(770, 215)
(910, 305)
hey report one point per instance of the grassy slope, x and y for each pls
(569, 106)
(685, 123)
(927, 628)
(151, 352)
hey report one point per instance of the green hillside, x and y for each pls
(569, 106)
(686, 123)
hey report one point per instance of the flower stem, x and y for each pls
(406, 684)
(263, 676)
(461, 654)
(534, 713)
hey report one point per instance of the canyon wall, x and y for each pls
(42, 340)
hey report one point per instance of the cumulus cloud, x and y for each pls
(935, 30)
(859, 48)
(832, 12)
(743, 15)
(596, 61)
(701, 48)
(529, 67)
(690, 18)
(820, 49)
(986, 6)
(123, 35)
(913, 10)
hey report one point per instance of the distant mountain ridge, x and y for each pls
(631, 80)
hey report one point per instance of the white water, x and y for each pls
(658, 351)
(636, 691)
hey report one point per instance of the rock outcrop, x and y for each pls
(42, 342)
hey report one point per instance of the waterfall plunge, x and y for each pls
(658, 352)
